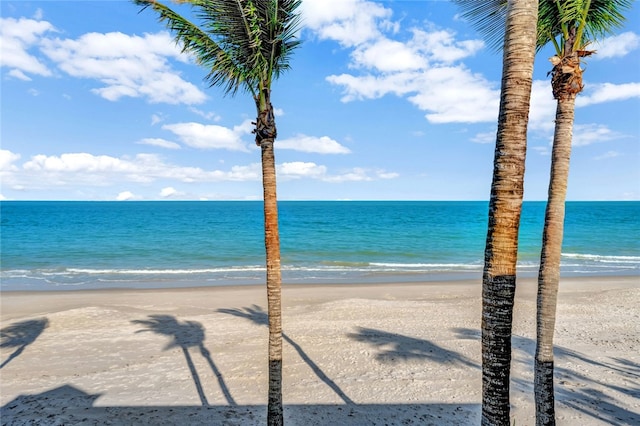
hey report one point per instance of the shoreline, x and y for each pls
(353, 354)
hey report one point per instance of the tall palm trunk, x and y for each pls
(505, 206)
(265, 138)
(549, 275)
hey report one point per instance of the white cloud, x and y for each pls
(102, 170)
(209, 136)
(124, 196)
(455, 95)
(484, 137)
(422, 68)
(607, 92)
(357, 174)
(211, 116)
(587, 134)
(447, 94)
(19, 75)
(298, 169)
(542, 109)
(75, 171)
(381, 174)
(349, 22)
(321, 145)
(608, 154)
(17, 36)
(128, 65)
(441, 46)
(156, 118)
(616, 46)
(162, 143)
(77, 162)
(7, 160)
(387, 55)
(168, 192)
(542, 150)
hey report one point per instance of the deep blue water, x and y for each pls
(66, 245)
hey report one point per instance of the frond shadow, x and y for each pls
(395, 348)
(20, 335)
(185, 335)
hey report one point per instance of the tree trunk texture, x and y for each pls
(549, 274)
(274, 283)
(505, 206)
(266, 133)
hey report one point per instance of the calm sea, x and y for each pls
(77, 245)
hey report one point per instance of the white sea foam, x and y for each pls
(601, 258)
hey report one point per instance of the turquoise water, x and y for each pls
(67, 245)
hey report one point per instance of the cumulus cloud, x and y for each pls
(127, 65)
(349, 22)
(162, 143)
(616, 46)
(320, 145)
(422, 67)
(607, 92)
(7, 160)
(84, 170)
(387, 55)
(211, 136)
(125, 195)
(587, 134)
(298, 169)
(17, 37)
(358, 174)
(484, 137)
(542, 109)
(168, 192)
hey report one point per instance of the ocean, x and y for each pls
(53, 245)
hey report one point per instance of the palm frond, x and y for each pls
(598, 18)
(243, 43)
(488, 17)
(593, 20)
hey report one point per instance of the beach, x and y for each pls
(353, 354)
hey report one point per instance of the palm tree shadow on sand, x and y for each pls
(20, 335)
(258, 316)
(185, 335)
(395, 347)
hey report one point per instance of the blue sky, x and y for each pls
(386, 100)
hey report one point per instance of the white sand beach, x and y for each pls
(353, 355)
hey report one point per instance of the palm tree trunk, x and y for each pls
(505, 206)
(549, 275)
(274, 283)
(266, 134)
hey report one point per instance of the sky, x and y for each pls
(385, 100)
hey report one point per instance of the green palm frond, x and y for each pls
(591, 19)
(487, 17)
(244, 44)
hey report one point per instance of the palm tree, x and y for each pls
(570, 26)
(505, 204)
(246, 44)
